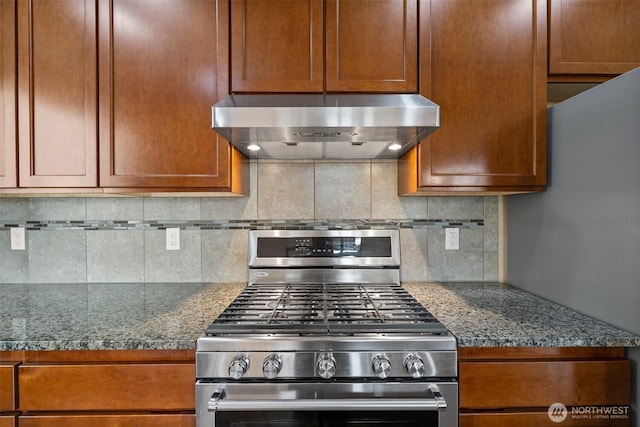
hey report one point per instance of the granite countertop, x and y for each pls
(499, 315)
(118, 316)
(125, 316)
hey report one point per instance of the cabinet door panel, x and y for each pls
(276, 46)
(8, 170)
(7, 387)
(371, 46)
(133, 387)
(492, 92)
(7, 421)
(594, 36)
(158, 80)
(527, 384)
(532, 419)
(156, 420)
(57, 93)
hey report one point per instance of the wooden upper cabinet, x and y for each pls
(158, 63)
(276, 46)
(292, 46)
(57, 96)
(594, 36)
(371, 46)
(484, 63)
(8, 170)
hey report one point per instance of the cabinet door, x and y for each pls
(7, 421)
(371, 46)
(276, 46)
(8, 170)
(484, 63)
(594, 36)
(538, 384)
(155, 420)
(162, 66)
(57, 98)
(533, 419)
(107, 387)
(8, 375)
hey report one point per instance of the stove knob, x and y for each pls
(326, 366)
(238, 367)
(381, 366)
(271, 366)
(414, 365)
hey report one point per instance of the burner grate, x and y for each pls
(308, 309)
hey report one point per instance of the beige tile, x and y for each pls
(491, 224)
(161, 265)
(224, 255)
(465, 264)
(457, 207)
(385, 202)
(414, 251)
(285, 190)
(343, 190)
(490, 267)
(235, 207)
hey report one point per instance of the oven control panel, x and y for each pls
(332, 247)
(317, 248)
(329, 365)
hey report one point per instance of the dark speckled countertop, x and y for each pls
(499, 315)
(119, 316)
(172, 316)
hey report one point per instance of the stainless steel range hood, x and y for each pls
(368, 126)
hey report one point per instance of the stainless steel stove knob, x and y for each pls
(326, 366)
(238, 367)
(381, 366)
(414, 365)
(271, 366)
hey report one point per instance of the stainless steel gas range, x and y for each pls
(325, 335)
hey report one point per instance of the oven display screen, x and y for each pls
(326, 247)
(328, 418)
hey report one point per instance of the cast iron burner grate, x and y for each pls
(325, 309)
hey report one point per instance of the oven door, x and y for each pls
(327, 404)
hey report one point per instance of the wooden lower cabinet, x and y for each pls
(7, 421)
(516, 386)
(7, 386)
(100, 388)
(122, 387)
(146, 420)
(531, 419)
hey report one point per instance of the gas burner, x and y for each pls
(380, 308)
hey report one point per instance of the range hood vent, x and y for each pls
(367, 126)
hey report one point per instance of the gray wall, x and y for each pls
(578, 243)
(77, 240)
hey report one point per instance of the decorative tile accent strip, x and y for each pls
(346, 224)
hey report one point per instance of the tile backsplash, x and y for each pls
(122, 239)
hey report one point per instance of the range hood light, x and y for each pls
(395, 147)
(253, 147)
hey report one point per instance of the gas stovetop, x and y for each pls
(328, 309)
(325, 303)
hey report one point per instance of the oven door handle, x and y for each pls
(218, 403)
